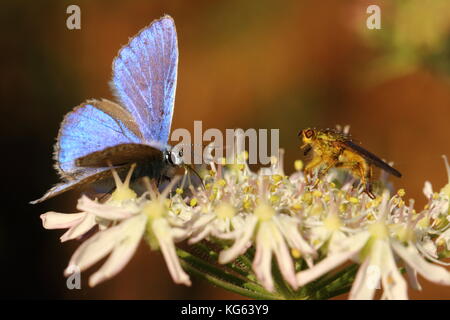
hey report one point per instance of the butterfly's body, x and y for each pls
(100, 133)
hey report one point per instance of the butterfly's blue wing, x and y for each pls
(92, 126)
(145, 76)
(144, 80)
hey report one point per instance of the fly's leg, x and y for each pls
(361, 170)
(365, 173)
(323, 172)
(333, 162)
(368, 185)
(349, 165)
(315, 162)
(307, 150)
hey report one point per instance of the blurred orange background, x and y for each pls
(250, 64)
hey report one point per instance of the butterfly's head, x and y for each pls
(174, 157)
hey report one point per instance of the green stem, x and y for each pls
(217, 277)
(214, 255)
(280, 284)
(327, 279)
(246, 261)
(341, 284)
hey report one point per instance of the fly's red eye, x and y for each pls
(308, 133)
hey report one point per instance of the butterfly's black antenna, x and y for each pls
(183, 181)
(191, 168)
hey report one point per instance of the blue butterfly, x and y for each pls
(100, 132)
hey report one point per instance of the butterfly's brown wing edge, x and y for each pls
(119, 155)
(77, 183)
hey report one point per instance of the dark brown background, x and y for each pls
(249, 64)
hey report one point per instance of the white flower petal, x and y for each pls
(56, 220)
(133, 229)
(162, 232)
(369, 274)
(221, 228)
(107, 211)
(336, 238)
(222, 225)
(319, 235)
(289, 228)
(78, 230)
(324, 266)
(439, 206)
(445, 236)
(429, 271)
(179, 234)
(394, 285)
(200, 235)
(262, 263)
(242, 242)
(284, 259)
(412, 277)
(351, 243)
(429, 247)
(359, 279)
(94, 249)
(203, 220)
(428, 189)
(232, 235)
(333, 260)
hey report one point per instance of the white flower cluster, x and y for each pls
(323, 224)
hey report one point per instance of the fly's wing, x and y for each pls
(121, 154)
(145, 76)
(92, 126)
(371, 158)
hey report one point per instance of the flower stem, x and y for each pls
(222, 278)
(336, 284)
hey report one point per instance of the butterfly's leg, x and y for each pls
(159, 179)
(163, 178)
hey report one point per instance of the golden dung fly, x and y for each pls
(333, 148)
